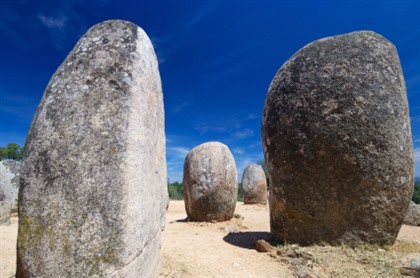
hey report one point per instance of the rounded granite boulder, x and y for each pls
(337, 141)
(210, 183)
(254, 185)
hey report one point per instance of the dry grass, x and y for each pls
(344, 261)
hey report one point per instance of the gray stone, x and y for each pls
(93, 184)
(337, 141)
(9, 181)
(409, 265)
(5, 210)
(210, 183)
(412, 217)
(254, 185)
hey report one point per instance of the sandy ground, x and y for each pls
(8, 236)
(191, 249)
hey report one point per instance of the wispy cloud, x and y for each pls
(64, 23)
(193, 21)
(252, 116)
(175, 156)
(166, 44)
(247, 158)
(238, 150)
(20, 108)
(156, 42)
(242, 134)
(180, 152)
(205, 128)
(178, 108)
(54, 22)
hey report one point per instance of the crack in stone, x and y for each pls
(137, 255)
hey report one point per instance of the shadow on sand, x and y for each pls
(246, 239)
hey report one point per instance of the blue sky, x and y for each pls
(216, 59)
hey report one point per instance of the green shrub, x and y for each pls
(240, 193)
(176, 191)
(416, 193)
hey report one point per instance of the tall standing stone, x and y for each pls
(337, 141)
(9, 181)
(93, 184)
(210, 183)
(254, 185)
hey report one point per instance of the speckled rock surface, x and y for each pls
(9, 181)
(210, 183)
(337, 141)
(5, 210)
(93, 183)
(254, 185)
(412, 217)
(409, 265)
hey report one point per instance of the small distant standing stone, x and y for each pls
(210, 183)
(9, 181)
(254, 185)
(337, 142)
(93, 192)
(412, 216)
(5, 210)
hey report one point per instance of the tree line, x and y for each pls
(12, 151)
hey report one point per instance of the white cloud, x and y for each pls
(179, 152)
(246, 133)
(252, 116)
(412, 82)
(58, 22)
(238, 150)
(417, 162)
(175, 162)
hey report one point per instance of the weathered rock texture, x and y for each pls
(337, 141)
(5, 210)
(210, 183)
(9, 181)
(254, 185)
(93, 184)
(412, 216)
